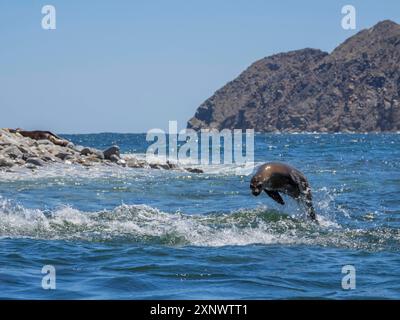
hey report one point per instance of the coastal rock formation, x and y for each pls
(355, 88)
(33, 149)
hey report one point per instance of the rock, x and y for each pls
(70, 145)
(5, 163)
(99, 154)
(35, 162)
(159, 166)
(23, 149)
(92, 158)
(311, 90)
(194, 170)
(155, 165)
(44, 142)
(19, 162)
(114, 150)
(28, 155)
(64, 156)
(78, 148)
(48, 159)
(13, 152)
(121, 162)
(172, 165)
(90, 151)
(113, 158)
(5, 144)
(135, 163)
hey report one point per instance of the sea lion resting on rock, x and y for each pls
(276, 177)
(42, 135)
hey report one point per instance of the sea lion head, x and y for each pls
(256, 185)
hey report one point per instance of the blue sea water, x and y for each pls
(124, 233)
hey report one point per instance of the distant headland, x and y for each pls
(355, 88)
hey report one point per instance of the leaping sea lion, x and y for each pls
(274, 177)
(41, 135)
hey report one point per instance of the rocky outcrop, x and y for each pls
(355, 88)
(23, 150)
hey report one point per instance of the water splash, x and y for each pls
(144, 224)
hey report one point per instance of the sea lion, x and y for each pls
(274, 177)
(41, 135)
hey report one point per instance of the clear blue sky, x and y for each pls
(129, 66)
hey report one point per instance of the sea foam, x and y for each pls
(145, 224)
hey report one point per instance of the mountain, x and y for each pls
(354, 88)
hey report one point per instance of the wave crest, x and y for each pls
(142, 223)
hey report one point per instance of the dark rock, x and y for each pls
(194, 170)
(35, 162)
(113, 158)
(23, 150)
(154, 166)
(354, 88)
(28, 155)
(5, 144)
(48, 159)
(5, 163)
(164, 166)
(171, 165)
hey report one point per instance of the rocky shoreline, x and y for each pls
(34, 149)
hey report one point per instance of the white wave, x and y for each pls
(141, 223)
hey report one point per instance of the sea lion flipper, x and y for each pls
(276, 196)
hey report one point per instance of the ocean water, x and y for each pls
(123, 233)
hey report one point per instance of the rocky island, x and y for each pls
(355, 88)
(33, 149)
